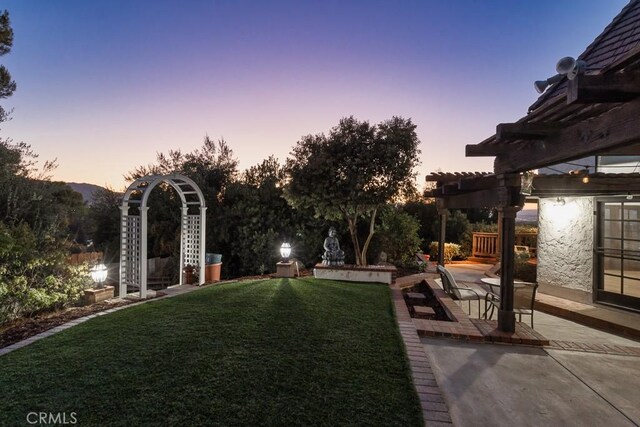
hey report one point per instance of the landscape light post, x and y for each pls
(285, 267)
(285, 251)
(99, 275)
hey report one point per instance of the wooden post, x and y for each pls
(510, 201)
(500, 218)
(441, 238)
(506, 316)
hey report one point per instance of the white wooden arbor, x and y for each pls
(133, 227)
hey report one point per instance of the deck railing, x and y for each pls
(486, 244)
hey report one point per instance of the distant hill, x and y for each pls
(527, 215)
(86, 190)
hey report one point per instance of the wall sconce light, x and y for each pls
(581, 172)
(99, 275)
(559, 201)
(285, 251)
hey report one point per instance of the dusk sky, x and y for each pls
(104, 85)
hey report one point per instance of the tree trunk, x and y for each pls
(369, 237)
(353, 230)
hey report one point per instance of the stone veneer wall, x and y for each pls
(565, 243)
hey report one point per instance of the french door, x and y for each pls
(618, 252)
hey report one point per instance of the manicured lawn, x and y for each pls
(276, 352)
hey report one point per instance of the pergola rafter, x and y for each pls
(594, 114)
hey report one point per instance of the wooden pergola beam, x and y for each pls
(613, 129)
(564, 185)
(603, 88)
(482, 150)
(527, 131)
(626, 150)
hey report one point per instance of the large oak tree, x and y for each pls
(352, 172)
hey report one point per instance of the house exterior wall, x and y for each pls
(565, 243)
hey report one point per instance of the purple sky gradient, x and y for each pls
(104, 85)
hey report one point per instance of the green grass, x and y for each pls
(276, 352)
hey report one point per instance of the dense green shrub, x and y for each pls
(34, 275)
(452, 252)
(522, 270)
(398, 235)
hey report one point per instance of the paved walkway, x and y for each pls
(507, 385)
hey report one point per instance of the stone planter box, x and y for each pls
(352, 273)
(92, 296)
(285, 269)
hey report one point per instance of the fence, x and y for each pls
(81, 258)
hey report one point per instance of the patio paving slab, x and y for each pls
(501, 385)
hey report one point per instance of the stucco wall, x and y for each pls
(565, 243)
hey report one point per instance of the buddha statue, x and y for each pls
(333, 255)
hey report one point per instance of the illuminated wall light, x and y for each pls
(629, 196)
(585, 179)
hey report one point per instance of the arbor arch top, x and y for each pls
(133, 248)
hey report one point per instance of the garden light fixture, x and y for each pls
(285, 250)
(99, 275)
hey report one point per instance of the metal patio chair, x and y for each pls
(524, 296)
(455, 291)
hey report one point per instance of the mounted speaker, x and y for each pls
(570, 67)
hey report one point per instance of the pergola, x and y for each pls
(133, 248)
(596, 113)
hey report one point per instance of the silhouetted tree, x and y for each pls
(353, 171)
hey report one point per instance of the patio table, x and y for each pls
(494, 282)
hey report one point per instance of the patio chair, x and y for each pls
(455, 291)
(524, 296)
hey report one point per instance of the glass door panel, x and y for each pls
(618, 253)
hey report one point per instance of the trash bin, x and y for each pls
(211, 258)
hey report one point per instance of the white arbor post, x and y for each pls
(134, 227)
(203, 240)
(143, 252)
(185, 210)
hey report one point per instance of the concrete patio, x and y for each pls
(585, 377)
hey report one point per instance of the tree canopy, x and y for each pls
(7, 85)
(354, 170)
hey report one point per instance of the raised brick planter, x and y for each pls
(434, 408)
(464, 327)
(352, 273)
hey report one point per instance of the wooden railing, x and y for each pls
(486, 244)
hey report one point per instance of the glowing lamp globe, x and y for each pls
(285, 250)
(99, 274)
